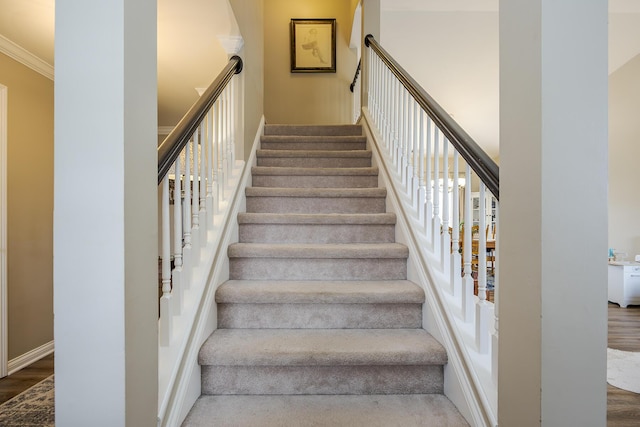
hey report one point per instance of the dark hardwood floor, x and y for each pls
(19, 381)
(623, 407)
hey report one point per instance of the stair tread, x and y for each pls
(313, 138)
(321, 347)
(320, 292)
(318, 250)
(287, 129)
(295, 171)
(314, 153)
(315, 192)
(334, 218)
(326, 410)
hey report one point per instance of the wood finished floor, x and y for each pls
(19, 381)
(623, 407)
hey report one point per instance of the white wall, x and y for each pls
(454, 56)
(624, 152)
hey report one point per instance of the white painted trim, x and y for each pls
(185, 385)
(231, 44)
(165, 130)
(4, 331)
(30, 357)
(461, 384)
(25, 57)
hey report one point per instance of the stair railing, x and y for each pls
(355, 88)
(449, 188)
(197, 170)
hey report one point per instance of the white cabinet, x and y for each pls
(491, 205)
(624, 283)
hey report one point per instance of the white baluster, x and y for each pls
(427, 183)
(482, 306)
(232, 122)
(402, 135)
(437, 224)
(177, 240)
(495, 338)
(187, 257)
(209, 120)
(456, 278)
(415, 158)
(202, 212)
(422, 195)
(445, 247)
(166, 309)
(195, 201)
(467, 281)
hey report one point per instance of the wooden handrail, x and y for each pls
(174, 143)
(355, 77)
(475, 157)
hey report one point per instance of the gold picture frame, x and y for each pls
(313, 45)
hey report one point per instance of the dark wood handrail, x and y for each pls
(355, 77)
(477, 159)
(174, 143)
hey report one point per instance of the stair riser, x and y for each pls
(321, 316)
(301, 145)
(310, 233)
(315, 162)
(312, 130)
(270, 380)
(287, 181)
(312, 205)
(317, 269)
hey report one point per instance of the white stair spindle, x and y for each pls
(445, 244)
(467, 280)
(422, 195)
(195, 200)
(495, 337)
(166, 306)
(176, 282)
(437, 224)
(187, 257)
(209, 121)
(202, 213)
(456, 278)
(482, 306)
(427, 184)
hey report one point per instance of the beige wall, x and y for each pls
(624, 151)
(29, 206)
(317, 98)
(250, 17)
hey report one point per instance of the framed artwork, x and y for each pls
(313, 45)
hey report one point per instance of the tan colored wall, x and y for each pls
(624, 149)
(317, 98)
(250, 17)
(29, 206)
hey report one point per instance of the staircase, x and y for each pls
(318, 325)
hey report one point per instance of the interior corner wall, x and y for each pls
(250, 17)
(306, 98)
(29, 207)
(624, 150)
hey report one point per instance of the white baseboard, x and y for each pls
(30, 357)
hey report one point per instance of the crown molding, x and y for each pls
(25, 57)
(231, 44)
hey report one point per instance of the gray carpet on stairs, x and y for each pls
(318, 325)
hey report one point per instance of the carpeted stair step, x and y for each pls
(404, 410)
(371, 261)
(310, 130)
(319, 304)
(322, 361)
(314, 177)
(313, 142)
(316, 228)
(314, 158)
(315, 200)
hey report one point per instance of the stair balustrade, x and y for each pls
(197, 173)
(436, 166)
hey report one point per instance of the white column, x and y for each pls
(553, 213)
(105, 214)
(370, 25)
